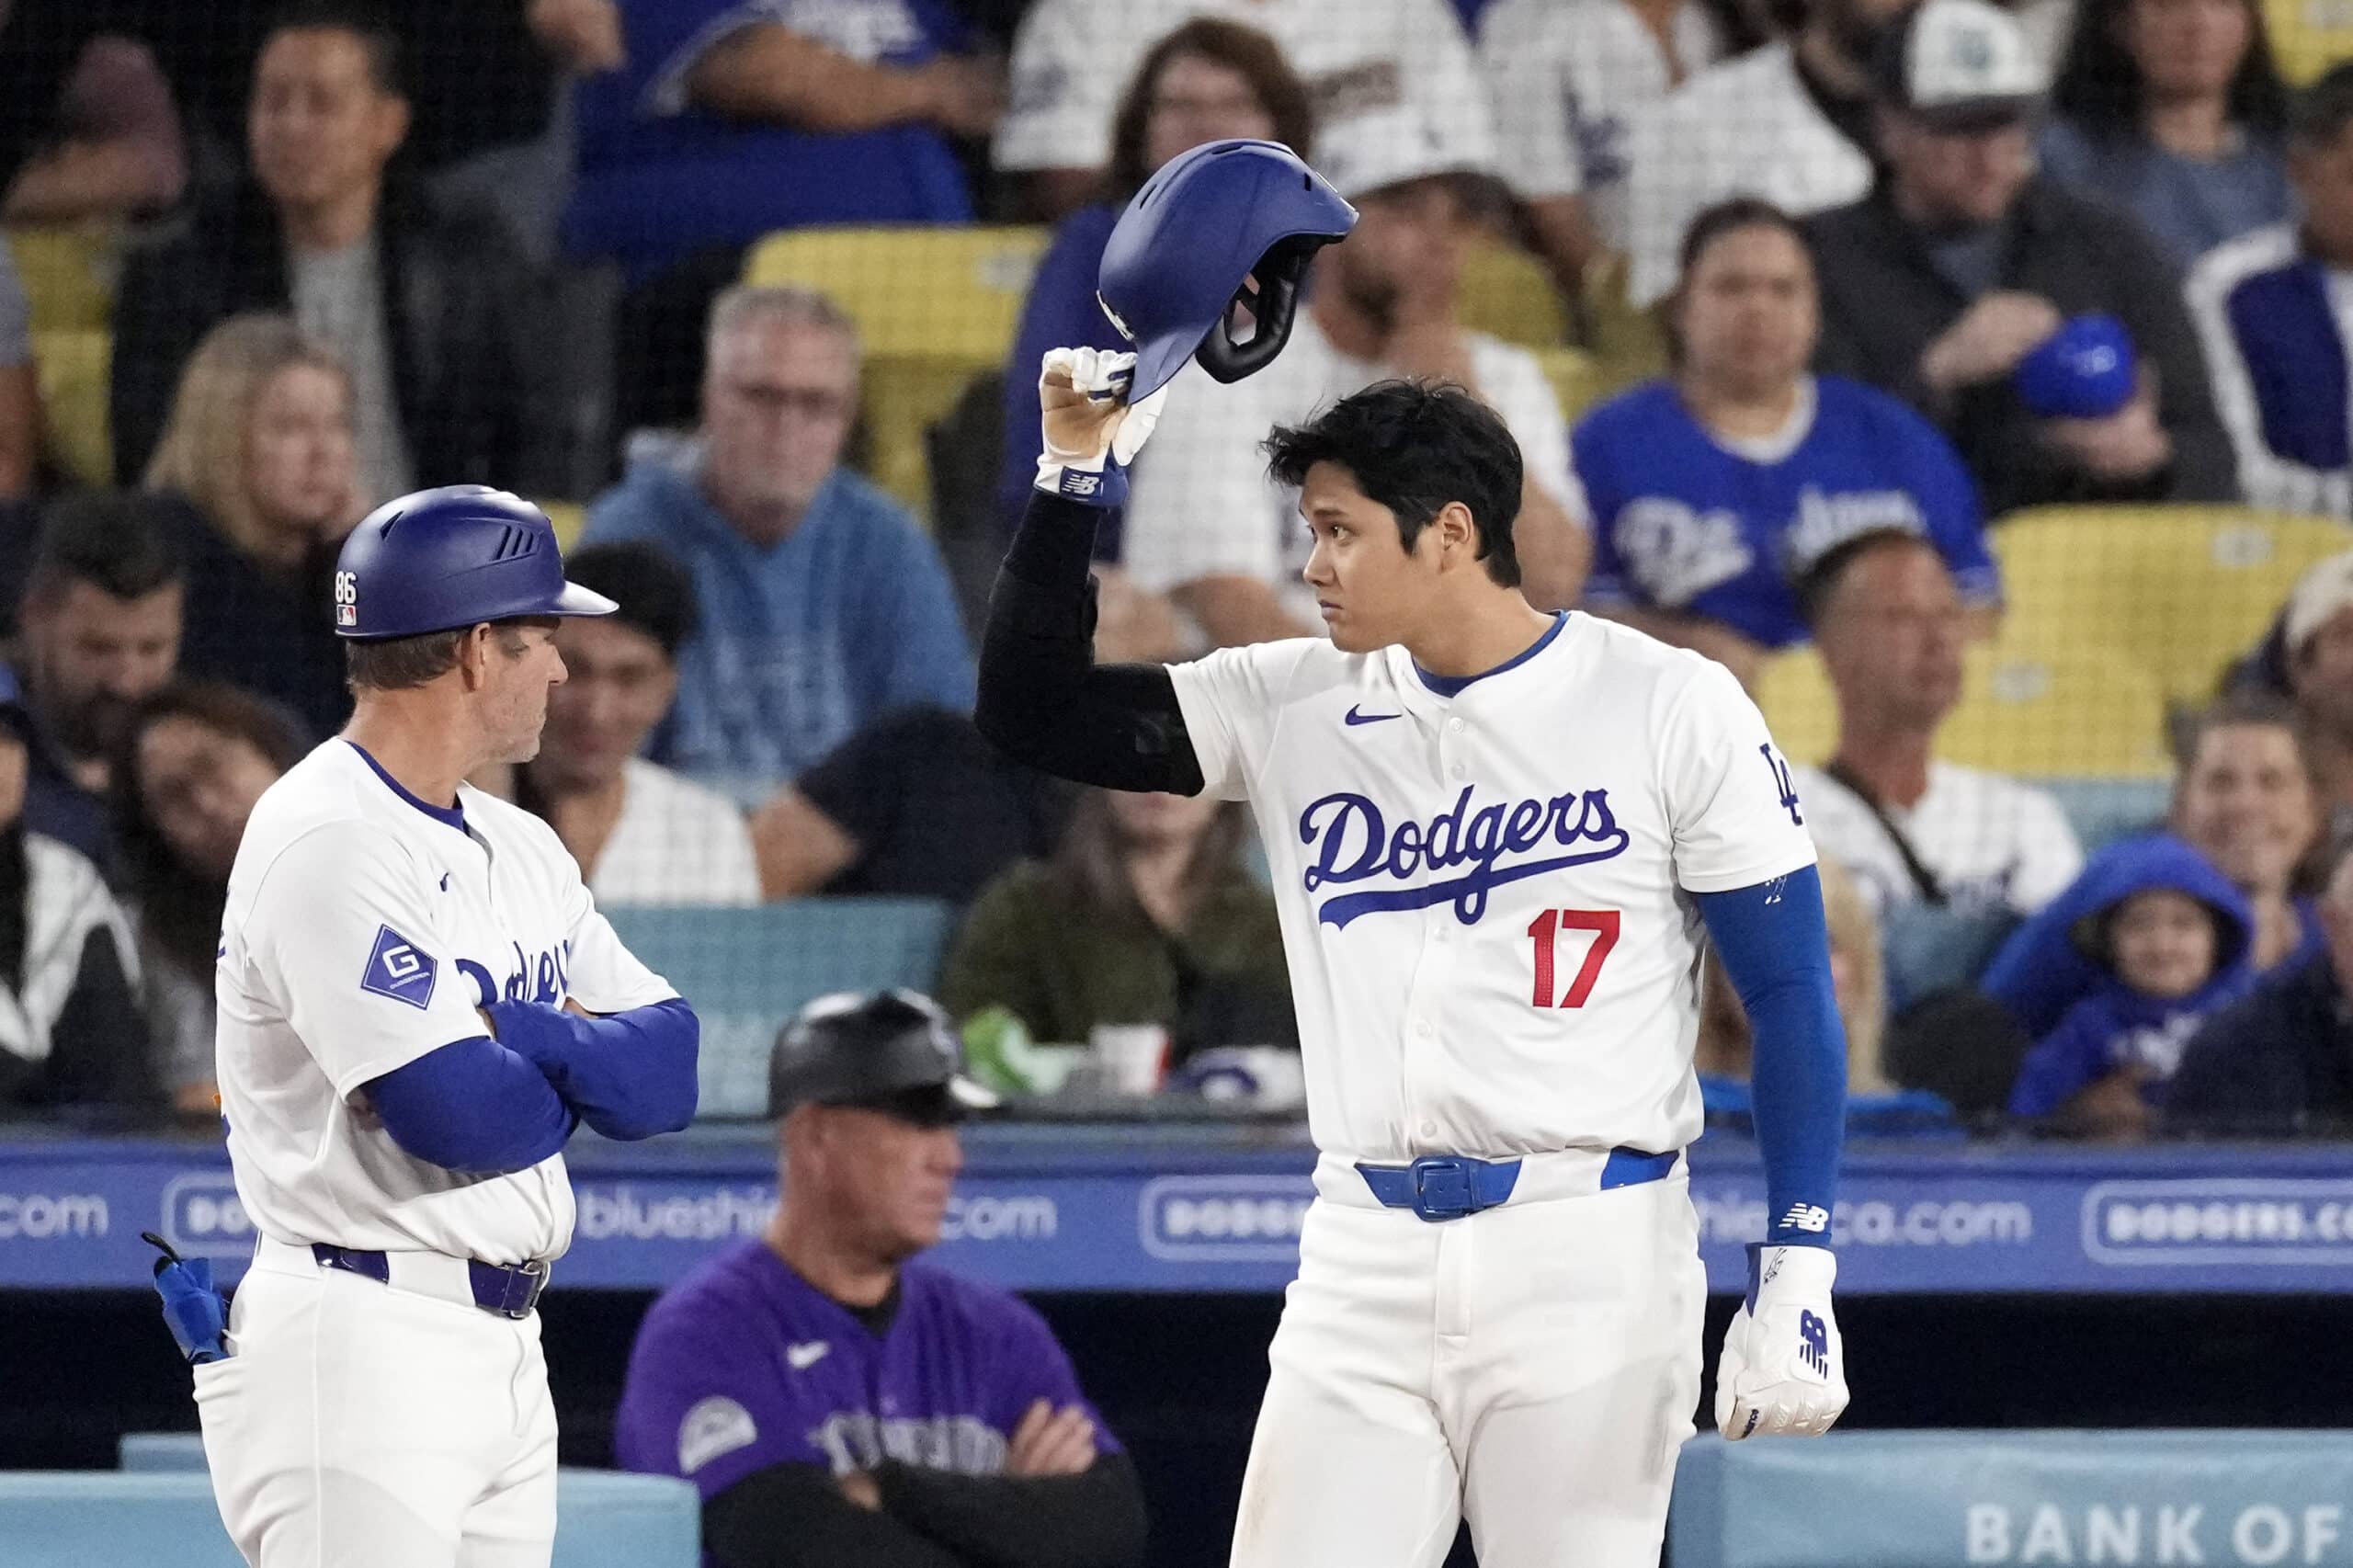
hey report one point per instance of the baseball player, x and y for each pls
(837, 1402)
(1502, 842)
(418, 1004)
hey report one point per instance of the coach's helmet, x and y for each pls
(1228, 222)
(894, 1050)
(457, 556)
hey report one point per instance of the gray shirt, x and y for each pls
(339, 300)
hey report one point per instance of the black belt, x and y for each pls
(511, 1292)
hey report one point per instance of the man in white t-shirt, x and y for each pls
(1206, 526)
(1569, 80)
(1913, 830)
(1071, 59)
(1789, 122)
(642, 833)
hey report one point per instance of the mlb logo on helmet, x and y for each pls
(346, 598)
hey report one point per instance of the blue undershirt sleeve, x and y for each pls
(1774, 944)
(472, 1106)
(629, 1076)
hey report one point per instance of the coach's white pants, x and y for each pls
(1532, 1368)
(361, 1427)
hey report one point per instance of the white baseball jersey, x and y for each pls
(363, 929)
(1483, 895)
(1993, 843)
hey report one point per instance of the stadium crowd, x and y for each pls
(1808, 305)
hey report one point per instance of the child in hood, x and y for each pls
(2169, 937)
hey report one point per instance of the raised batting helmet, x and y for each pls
(1202, 231)
(453, 557)
(895, 1049)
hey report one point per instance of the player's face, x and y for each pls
(1198, 100)
(318, 127)
(1748, 311)
(777, 404)
(618, 684)
(2163, 943)
(1891, 638)
(2245, 804)
(93, 657)
(524, 666)
(199, 786)
(1367, 588)
(299, 463)
(1951, 178)
(2321, 674)
(892, 1178)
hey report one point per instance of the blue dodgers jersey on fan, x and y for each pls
(659, 179)
(1681, 523)
(744, 1365)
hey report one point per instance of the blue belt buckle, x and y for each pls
(1442, 1188)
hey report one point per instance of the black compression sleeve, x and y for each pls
(1091, 1520)
(1043, 700)
(793, 1516)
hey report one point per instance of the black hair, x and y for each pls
(655, 595)
(1817, 582)
(2099, 86)
(1711, 223)
(2319, 114)
(1413, 447)
(119, 541)
(370, 24)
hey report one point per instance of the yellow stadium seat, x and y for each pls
(934, 306)
(1576, 377)
(2176, 592)
(73, 367)
(569, 518)
(1628, 345)
(69, 275)
(1507, 293)
(2308, 36)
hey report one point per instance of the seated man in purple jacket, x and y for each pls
(834, 1401)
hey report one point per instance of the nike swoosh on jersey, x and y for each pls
(1354, 718)
(804, 1357)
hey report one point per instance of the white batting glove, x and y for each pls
(1091, 432)
(1783, 1368)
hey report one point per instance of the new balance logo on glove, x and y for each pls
(1780, 1370)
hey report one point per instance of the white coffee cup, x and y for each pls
(1131, 1057)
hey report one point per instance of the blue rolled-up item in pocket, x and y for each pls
(196, 1314)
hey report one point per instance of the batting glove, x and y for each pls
(1091, 433)
(1783, 1368)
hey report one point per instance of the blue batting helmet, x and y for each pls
(1202, 231)
(453, 557)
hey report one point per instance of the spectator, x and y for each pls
(2279, 1061)
(1963, 260)
(1205, 526)
(109, 147)
(1914, 830)
(2311, 647)
(1209, 80)
(728, 121)
(1569, 82)
(196, 757)
(823, 603)
(70, 1031)
(2174, 110)
(2269, 310)
(1393, 62)
(641, 833)
(1711, 490)
(1789, 122)
(259, 450)
(431, 309)
(99, 630)
(1146, 914)
(2245, 799)
(2168, 935)
(836, 1401)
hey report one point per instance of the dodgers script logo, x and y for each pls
(1354, 843)
(543, 977)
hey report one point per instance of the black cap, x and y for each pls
(894, 1050)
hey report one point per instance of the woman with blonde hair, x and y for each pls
(1858, 977)
(258, 448)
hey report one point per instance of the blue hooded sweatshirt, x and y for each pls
(2114, 1025)
(2040, 973)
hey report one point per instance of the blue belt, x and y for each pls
(1448, 1187)
(509, 1292)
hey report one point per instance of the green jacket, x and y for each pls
(1031, 946)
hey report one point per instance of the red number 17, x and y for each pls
(1546, 929)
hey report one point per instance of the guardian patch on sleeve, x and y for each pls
(713, 1426)
(398, 969)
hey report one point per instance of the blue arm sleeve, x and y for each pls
(629, 1076)
(472, 1106)
(1775, 946)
